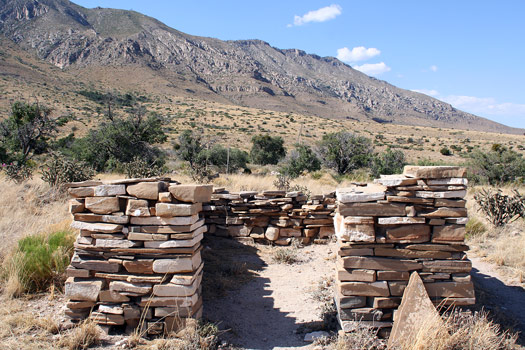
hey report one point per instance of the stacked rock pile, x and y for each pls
(276, 216)
(403, 223)
(137, 256)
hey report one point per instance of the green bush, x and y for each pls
(301, 159)
(59, 170)
(389, 162)
(139, 168)
(345, 152)
(18, 172)
(267, 149)
(474, 228)
(39, 260)
(218, 156)
(445, 151)
(498, 166)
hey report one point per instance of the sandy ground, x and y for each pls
(276, 308)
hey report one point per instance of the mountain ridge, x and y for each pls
(248, 73)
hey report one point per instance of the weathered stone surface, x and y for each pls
(373, 263)
(289, 232)
(411, 254)
(107, 319)
(415, 310)
(457, 221)
(397, 288)
(137, 207)
(176, 265)
(109, 190)
(412, 200)
(360, 314)
(169, 209)
(156, 220)
(173, 290)
(448, 266)
(239, 231)
(357, 275)
(73, 304)
(272, 233)
(326, 232)
(76, 205)
(165, 197)
(448, 233)
(87, 183)
(142, 266)
(138, 236)
(174, 243)
(94, 265)
(102, 205)
(111, 309)
(452, 203)
(441, 247)
(444, 212)
(355, 251)
(172, 229)
(447, 181)
(192, 193)
(393, 275)
(385, 303)
(436, 222)
(109, 296)
(360, 194)
(434, 172)
(371, 209)
(376, 289)
(117, 218)
(400, 220)
(395, 180)
(77, 289)
(347, 230)
(444, 194)
(128, 288)
(408, 234)
(81, 192)
(145, 190)
(97, 227)
(349, 302)
(115, 243)
(450, 289)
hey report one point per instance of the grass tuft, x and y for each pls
(84, 336)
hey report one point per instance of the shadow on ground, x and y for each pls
(506, 304)
(241, 301)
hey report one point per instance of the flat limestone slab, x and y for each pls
(414, 309)
(374, 289)
(373, 263)
(434, 172)
(371, 209)
(400, 220)
(192, 193)
(174, 243)
(369, 193)
(450, 289)
(395, 180)
(97, 227)
(179, 265)
(109, 190)
(170, 209)
(145, 190)
(173, 290)
(157, 220)
(110, 219)
(102, 205)
(82, 290)
(449, 233)
(169, 228)
(443, 194)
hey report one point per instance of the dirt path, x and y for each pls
(275, 308)
(498, 297)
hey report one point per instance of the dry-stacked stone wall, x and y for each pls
(275, 216)
(137, 257)
(403, 223)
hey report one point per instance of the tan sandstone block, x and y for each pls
(145, 190)
(169, 209)
(102, 205)
(192, 193)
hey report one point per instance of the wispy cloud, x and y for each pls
(321, 15)
(358, 53)
(373, 68)
(503, 112)
(433, 68)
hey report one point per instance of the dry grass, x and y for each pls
(85, 335)
(26, 209)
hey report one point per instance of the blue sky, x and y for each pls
(470, 53)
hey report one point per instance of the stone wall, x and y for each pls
(403, 223)
(137, 255)
(275, 216)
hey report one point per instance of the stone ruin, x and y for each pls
(137, 256)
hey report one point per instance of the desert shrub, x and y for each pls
(85, 335)
(218, 156)
(140, 168)
(445, 151)
(345, 152)
(38, 261)
(500, 208)
(285, 256)
(118, 140)
(499, 165)
(282, 182)
(267, 149)
(388, 162)
(18, 172)
(474, 227)
(59, 170)
(204, 336)
(301, 159)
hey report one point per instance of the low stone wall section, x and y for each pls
(403, 223)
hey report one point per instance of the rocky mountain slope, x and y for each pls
(245, 72)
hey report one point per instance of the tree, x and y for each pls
(190, 147)
(218, 156)
(345, 152)
(267, 149)
(498, 166)
(388, 162)
(301, 159)
(27, 132)
(120, 140)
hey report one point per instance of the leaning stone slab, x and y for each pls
(102, 205)
(97, 227)
(434, 172)
(192, 193)
(82, 290)
(169, 210)
(415, 311)
(156, 220)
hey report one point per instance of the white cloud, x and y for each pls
(359, 53)
(428, 92)
(373, 68)
(433, 68)
(321, 15)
